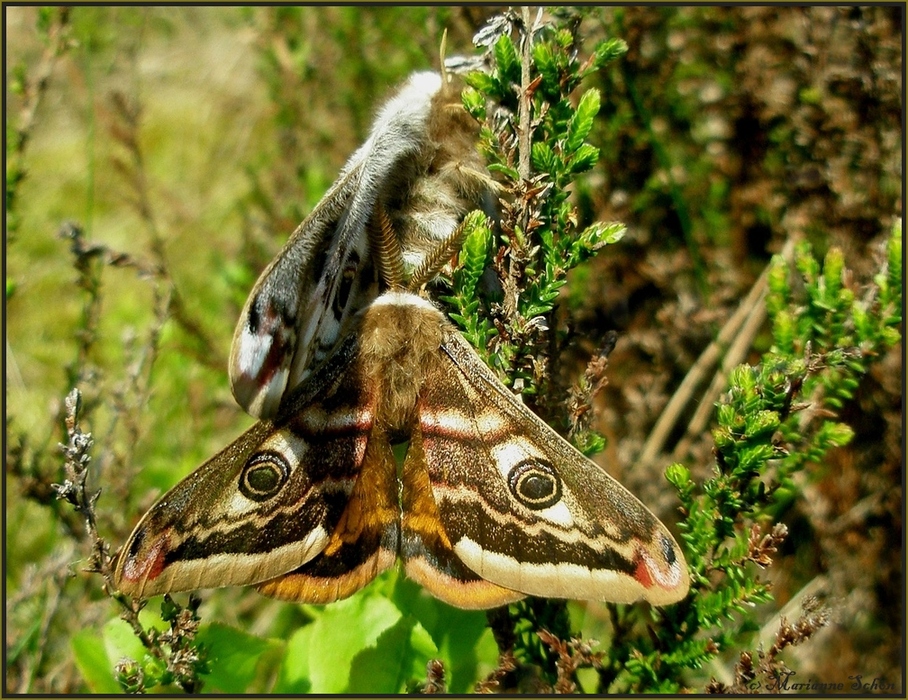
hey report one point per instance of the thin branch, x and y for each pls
(174, 647)
(734, 355)
(523, 104)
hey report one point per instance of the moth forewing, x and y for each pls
(264, 505)
(523, 508)
(296, 311)
(420, 166)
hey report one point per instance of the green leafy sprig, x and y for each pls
(825, 336)
(539, 239)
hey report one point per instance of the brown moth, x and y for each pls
(489, 505)
(420, 167)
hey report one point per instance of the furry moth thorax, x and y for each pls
(399, 337)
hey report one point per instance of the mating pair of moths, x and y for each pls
(310, 504)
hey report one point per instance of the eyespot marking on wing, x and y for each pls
(535, 484)
(263, 476)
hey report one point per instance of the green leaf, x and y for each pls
(725, 415)
(341, 632)
(761, 424)
(481, 82)
(462, 637)
(293, 675)
(543, 158)
(510, 173)
(584, 158)
(779, 290)
(599, 234)
(93, 663)
(832, 272)
(753, 457)
(474, 252)
(678, 475)
(234, 656)
(121, 642)
(582, 121)
(544, 59)
(507, 61)
(400, 654)
(589, 443)
(892, 287)
(785, 331)
(474, 103)
(605, 52)
(806, 264)
(564, 38)
(835, 434)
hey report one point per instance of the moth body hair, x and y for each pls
(398, 131)
(442, 183)
(400, 337)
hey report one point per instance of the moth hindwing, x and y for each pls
(490, 503)
(420, 167)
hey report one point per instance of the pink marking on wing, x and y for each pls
(650, 572)
(643, 572)
(150, 565)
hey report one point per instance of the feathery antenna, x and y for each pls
(386, 250)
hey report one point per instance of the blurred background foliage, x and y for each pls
(187, 143)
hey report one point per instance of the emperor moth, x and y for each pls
(419, 166)
(489, 505)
